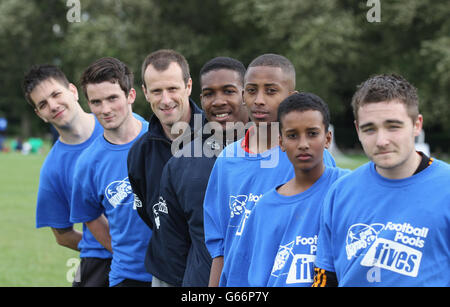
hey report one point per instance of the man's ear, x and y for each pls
(74, 90)
(280, 141)
(329, 139)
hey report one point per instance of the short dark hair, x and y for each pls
(224, 63)
(108, 69)
(38, 74)
(276, 60)
(386, 87)
(161, 60)
(304, 102)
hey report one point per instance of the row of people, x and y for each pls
(253, 216)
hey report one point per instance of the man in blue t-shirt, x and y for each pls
(101, 182)
(277, 246)
(387, 223)
(55, 101)
(249, 167)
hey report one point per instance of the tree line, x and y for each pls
(333, 44)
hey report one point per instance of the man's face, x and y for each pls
(221, 97)
(387, 134)
(304, 138)
(167, 94)
(109, 103)
(55, 103)
(265, 88)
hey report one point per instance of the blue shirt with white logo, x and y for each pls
(55, 191)
(237, 181)
(377, 231)
(101, 185)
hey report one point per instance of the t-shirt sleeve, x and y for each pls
(324, 256)
(85, 202)
(53, 209)
(213, 214)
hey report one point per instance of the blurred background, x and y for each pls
(333, 44)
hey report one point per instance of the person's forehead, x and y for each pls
(173, 71)
(265, 75)
(45, 88)
(220, 78)
(382, 111)
(103, 89)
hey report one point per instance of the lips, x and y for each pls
(259, 114)
(58, 114)
(304, 157)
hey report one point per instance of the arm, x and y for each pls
(216, 271)
(100, 229)
(67, 237)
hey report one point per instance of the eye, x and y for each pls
(229, 91)
(250, 90)
(271, 91)
(313, 133)
(42, 105)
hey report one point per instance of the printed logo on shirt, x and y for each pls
(398, 251)
(159, 207)
(119, 193)
(137, 202)
(301, 268)
(240, 210)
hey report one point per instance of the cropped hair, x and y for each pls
(38, 74)
(224, 63)
(301, 102)
(108, 69)
(386, 87)
(276, 60)
(161, 60)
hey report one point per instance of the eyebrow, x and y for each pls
(389, 121)
(222, 86)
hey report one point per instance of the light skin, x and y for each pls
(303, 138)
(265, 88)
(113, 109)
(57, 104)
(387, 133)
(168, 96)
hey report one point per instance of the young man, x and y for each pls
(387, 223)
(250, 167)
(55, 101)
(100, 181)
(277, 247)
(186, 175)
(167, 86)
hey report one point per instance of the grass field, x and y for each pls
(30, 256)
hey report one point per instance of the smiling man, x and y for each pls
(167, 87)
(55, 101)
(387, 223)
(101, 184)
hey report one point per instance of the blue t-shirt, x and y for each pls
(377, 231)
(55, 190)
(101, 185)
(238, 180)
(278, 244)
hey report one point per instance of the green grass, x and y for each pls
(28, 256)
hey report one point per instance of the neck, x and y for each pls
(79, 130)
(263, 137)
(124, 134)
(302, 181)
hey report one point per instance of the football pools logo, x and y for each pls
(119, 193)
